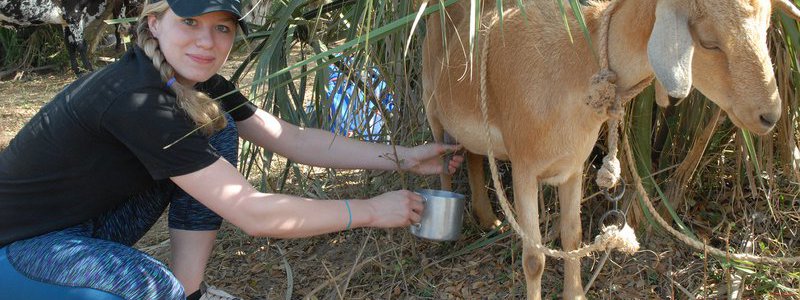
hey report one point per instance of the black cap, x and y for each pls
(193, 8)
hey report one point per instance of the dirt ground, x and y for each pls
(393, 264)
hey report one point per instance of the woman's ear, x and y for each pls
(152, 23)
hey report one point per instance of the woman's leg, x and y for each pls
(189, 254)
(96, 256)
(193, 227)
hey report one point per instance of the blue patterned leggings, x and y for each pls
(95, 260)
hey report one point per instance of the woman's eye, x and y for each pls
(223, 28)
(190, 22)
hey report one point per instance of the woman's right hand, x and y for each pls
(395, 209)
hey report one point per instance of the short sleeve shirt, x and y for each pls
(99, 141)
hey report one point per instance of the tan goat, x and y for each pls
(538, 81)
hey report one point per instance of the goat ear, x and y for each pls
(662, 99)
(788, 8)
(670, 49)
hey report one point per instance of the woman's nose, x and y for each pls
(204, 39)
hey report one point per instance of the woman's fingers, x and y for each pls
(451, 148)
(415, 206)
(415, 217)
(454, 163)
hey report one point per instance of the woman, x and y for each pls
(95, 168)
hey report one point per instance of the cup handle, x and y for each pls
(424, 201)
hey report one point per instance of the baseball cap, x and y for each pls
(193, 8)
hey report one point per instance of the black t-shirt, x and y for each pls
(97, 143)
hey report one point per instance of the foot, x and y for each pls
(210, 292)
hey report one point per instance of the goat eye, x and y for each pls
(709, 45)
(190, 21)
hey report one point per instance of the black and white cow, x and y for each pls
(73, 15)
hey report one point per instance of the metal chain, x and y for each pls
(619, 217)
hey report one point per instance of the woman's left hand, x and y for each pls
(429, 159)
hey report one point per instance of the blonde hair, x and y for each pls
(204, 111)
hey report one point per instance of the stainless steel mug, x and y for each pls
(442, 217)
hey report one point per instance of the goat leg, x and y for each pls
(481, 206)
(569, 195)
(526, 191)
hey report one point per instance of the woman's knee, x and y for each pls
(226, 141)
(71, 261)
(185, 212)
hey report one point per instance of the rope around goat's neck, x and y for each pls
(605, 99)
(612, 237)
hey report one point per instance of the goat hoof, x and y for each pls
(489, 224)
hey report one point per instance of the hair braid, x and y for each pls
(204, 111)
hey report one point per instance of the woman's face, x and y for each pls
(196, 47)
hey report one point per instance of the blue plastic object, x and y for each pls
(351, 113)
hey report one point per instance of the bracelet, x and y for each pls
(349, 214)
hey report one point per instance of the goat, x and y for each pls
(73, 15)
(538, 80)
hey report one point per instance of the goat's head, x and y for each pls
(720, 47)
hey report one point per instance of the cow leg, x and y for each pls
(117, 35)
(569, 195)
(481, 206)
(526, 195)
(69, 41)
(84, 55)
(75, 37)
(120, 11)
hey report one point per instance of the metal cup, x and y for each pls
(442, 217)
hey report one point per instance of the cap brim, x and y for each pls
(191, 8)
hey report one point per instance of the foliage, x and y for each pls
(32, 47)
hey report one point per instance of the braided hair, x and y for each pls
(205, 112)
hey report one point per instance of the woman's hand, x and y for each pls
(429, 159)
(395, 209)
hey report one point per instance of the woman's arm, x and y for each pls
(324, 149)
(222, 189)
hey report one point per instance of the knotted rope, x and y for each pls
(605, 99)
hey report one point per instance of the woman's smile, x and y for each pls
(201, 59)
